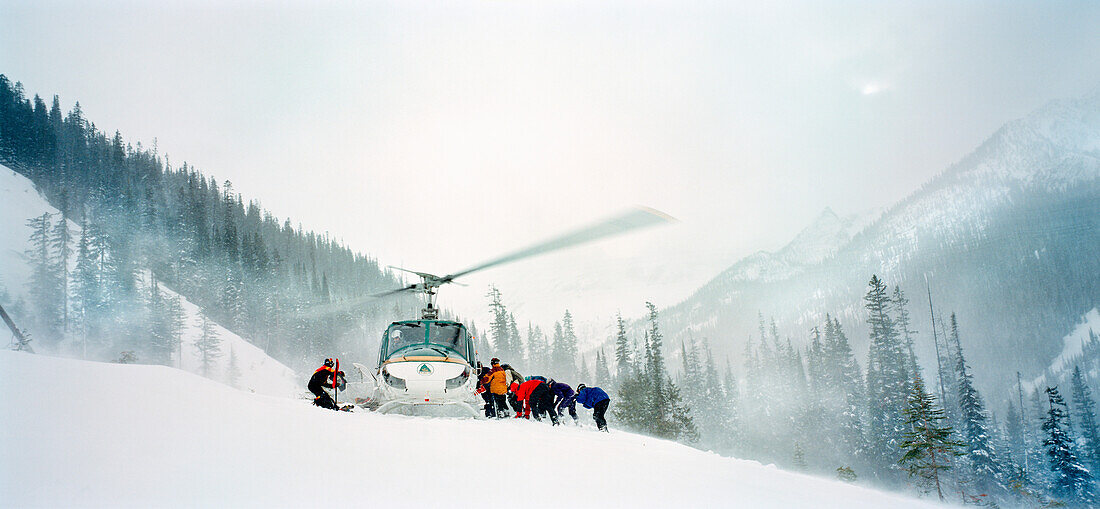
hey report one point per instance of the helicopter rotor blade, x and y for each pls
(392, 292)
(421, 274)
(639, 217)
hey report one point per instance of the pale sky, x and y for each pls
(434, 135)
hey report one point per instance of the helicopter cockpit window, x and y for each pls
(450, 336)
(401, 336)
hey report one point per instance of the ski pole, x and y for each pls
(335, 387)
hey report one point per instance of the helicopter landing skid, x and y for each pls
(418, 408)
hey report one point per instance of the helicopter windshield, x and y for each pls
(402, 336)
(446, 339)
(447, 335)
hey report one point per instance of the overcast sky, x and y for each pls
(437, 134)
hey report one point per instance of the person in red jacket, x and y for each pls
(536, 396)
(325, 376)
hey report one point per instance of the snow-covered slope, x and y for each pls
(84, 436)
(258, 371)
(1074, 342)
(19, 201)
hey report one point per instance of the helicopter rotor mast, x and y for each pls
(428, 285)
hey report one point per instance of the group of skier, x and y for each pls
(501, 386)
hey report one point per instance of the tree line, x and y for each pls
(814, 407)
(144, 222)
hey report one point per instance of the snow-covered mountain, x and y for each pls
(1006, 238)
(78, 438)
(19, 201)
(818, 241)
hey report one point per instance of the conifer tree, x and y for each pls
(1071, 481)
(537, 350)
(901, 310)
(984, 466)
(208, 344)
(849, 378)
(887, 374)
(799, 458)
(603, 375)
(1014, 431)
(233, 369)
(928, 441)
(568, 346)
(622, 349)
(61, 243)
(87, 293)
(1039, 474)
(633, 405)
(672, 418)
(583, 374)
(46, 297)
(515, 351)
(498, 329)
(655, 347)
(557, 354)
(1084, 415)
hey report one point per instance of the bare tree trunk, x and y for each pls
(22, 341)
(936, 475)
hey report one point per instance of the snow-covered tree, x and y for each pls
(983, 465)
(61, 244)
(1084, 416)
(46, 295)
(208, 344)
(602, 373)
(888, 375)
(498, 330)
(1071, 480)
(622, 349)
(233, 369)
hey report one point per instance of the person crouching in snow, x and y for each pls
(564, 398)
(536, 396)
(596, 399)
(513, 379)
(322, 378)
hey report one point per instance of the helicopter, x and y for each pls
(429, 363)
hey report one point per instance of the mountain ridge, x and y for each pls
(1029, 189)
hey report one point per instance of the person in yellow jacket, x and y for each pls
(498, 386)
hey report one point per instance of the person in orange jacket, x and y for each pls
(498, 387)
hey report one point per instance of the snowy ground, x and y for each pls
(85, 434)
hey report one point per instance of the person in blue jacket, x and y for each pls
(596, 399)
